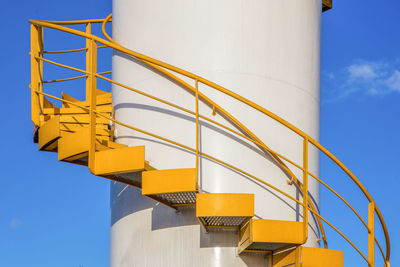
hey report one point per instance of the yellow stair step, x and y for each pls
(82, 119)
(76, 110)
(102, 98)
(269, 235)
(119, 160)
(175, 186)
(224, 210)
(74, 146)
(308, 257)
(48, 134)
(70, 127)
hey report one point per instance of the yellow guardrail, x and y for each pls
(91, 75)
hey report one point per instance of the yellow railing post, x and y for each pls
(305, 188)
(37, 104)
(197, 130)
(371, 234)
(88, 43)
(36, 73)
(91, 89)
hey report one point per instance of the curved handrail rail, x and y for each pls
(240, 125)
(211, 158)
(281, 121)
(233, 120)
(55, 25)
(220, 109)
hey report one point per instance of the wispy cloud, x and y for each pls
(365, 72)
(362, 78)
(393, 82)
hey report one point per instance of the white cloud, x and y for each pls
(362, 71)
(363, 78)
(393, 82)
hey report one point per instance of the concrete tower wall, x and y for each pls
(265, 50)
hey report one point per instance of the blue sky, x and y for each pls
(57, 214)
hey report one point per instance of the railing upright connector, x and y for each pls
(197, 131)
(371, 234)
(36, 73)
(88, 44)
(91, 90)
(305, 188)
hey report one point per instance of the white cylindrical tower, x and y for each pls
(265, 50)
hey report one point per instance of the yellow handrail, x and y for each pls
(271, 115)
(162, 66)
(210, 157)
(172, 142)
(69, 51)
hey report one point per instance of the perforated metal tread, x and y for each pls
(223, 221)
(181, 198)
(263, 246)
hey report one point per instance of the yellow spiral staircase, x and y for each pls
(81, 132)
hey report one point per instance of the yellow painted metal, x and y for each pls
(371, 234)
(185, 147)
(305, 190)
(74, 145)
(231, 130)
(70, 50)
(103, 98)
(64, 51)
(81, 119)
(221, 162)
(282, 233)
(308, 257)
(75, 22)
(76, 111)
(340, 197)
(224, 205)
(120, 160)
(91, 96)
(60, 65)
(320, 257)
(197, 129)
(286, 258)
(113, 145)
(48, 133)
(155, 62)
(227, 115)
(65, 79)
(66, 99)
(48, 104)
(89, 58)
(101, 129)
(169, 181)
(161, 65)
(272, 231)
(340, 233)
(326, 5)
(36, 72)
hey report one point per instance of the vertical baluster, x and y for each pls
(91, 90)
(305, 188)
(87, 53)
(197, 130)
(371, 234)
(36, 73)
